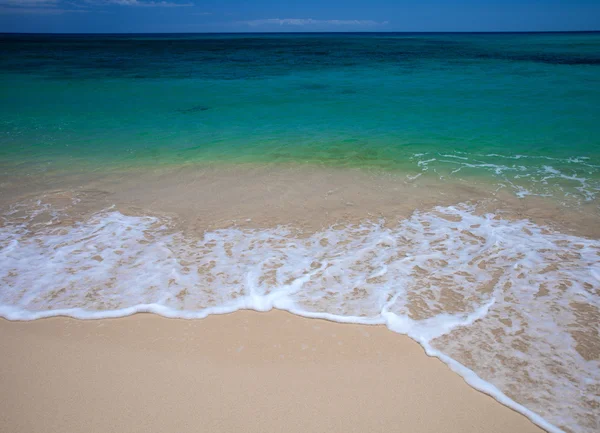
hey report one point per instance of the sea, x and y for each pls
(444, 185)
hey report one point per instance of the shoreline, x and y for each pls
(204, 197)
(357, 243)
(248, 370)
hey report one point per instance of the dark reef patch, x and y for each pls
(194, 109)
(231, 57)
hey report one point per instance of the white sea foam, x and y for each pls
(506, 304)
(573, 178)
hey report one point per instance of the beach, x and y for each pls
(305, 240)
(245, 371)
(300, 232)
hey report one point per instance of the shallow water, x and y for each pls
(520, 109)
(444, 185)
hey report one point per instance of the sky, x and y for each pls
(157, 16)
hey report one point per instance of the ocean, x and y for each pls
(445, 185)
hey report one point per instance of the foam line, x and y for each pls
(504, 293)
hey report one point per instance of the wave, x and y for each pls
(511, 306)
(573, 179)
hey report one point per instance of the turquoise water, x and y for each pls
(498, 291)
(521, 109)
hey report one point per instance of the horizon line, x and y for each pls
(309, 32)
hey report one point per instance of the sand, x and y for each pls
(246, 371)
(209, 197)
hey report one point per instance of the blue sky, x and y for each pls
(124, 16)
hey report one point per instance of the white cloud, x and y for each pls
(27, 3)
(36, 11)
(312, 22)
(138, 3)
(34, 7)
(57, 7)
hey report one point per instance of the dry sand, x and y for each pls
(247, 371)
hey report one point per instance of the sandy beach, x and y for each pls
(217, 244)
(247, 371)
(321, 231)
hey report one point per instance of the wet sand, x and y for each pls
(209, 197)
(136, 374)
(247, 371)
